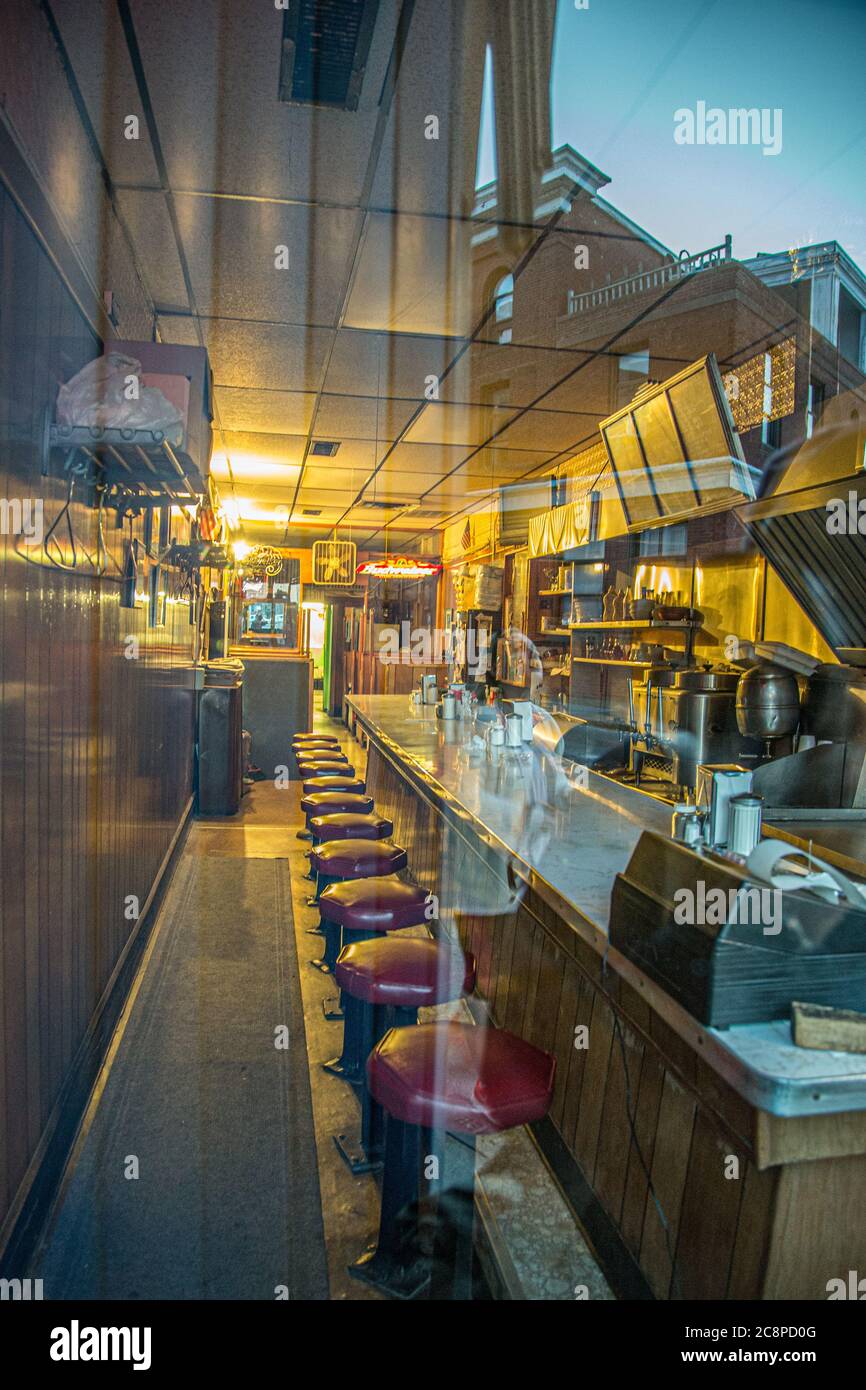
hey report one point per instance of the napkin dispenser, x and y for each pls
(738, 943)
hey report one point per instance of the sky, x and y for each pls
(622, 68)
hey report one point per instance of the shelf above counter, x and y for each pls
(611, 661)
(633, 625)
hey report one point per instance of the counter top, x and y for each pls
(254, 653)
(526, 801)
(569, 832)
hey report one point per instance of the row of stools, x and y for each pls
(425, 1090)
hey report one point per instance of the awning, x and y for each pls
(560, 528)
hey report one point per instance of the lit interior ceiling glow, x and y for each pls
(254, 466)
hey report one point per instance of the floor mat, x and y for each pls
(197, 1175)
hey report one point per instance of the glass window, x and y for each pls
(504, 299)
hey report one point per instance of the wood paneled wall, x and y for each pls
(97, 749)
(638, 1099)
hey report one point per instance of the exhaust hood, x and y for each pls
(808, 530)
(674, 451)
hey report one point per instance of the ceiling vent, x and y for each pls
(311, 511)
(334, 562)
(326, 44)
(372, 505)
(324, 448)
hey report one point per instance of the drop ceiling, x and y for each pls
(379, 297)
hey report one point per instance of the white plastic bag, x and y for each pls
(108, 394)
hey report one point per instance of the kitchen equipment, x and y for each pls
(686, 726)
(822, 565)
(768, 704)
(744, 823)
(429, 690)
(447, 707)
(580, 740)
(737, 943)
(640, 608)
(780, 654)
(495, 735)
(670, 613)
(717, 784)
(707, 678)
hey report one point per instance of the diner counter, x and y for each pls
(568, 842)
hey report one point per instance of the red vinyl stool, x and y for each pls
(384, 982)
(355, 910)
(310, 752)
(438, 1081)
(329, 803)
(332, 763)
(349, 825)
(334, 864)
(325, 767)
(339, 799)
(333, 784)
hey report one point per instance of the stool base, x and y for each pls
(425, 1241)
(332, 1008)
(405, 1281)
(328, 959)
(350, 1147)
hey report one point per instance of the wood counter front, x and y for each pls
(758, 1205)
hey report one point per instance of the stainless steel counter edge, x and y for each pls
(807, 1083)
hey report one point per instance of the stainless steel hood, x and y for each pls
(808, 530)
(674, 451)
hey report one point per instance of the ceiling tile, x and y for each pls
(256, 354)
(214, 77)
(273, 412)
(414, 277)
(358, 417)
(232, 249)
(396, 364)
(99, 56)
(457, 424)
(146, 216)
(429, 459)
(552, 430)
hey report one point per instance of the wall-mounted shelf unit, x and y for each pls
(633, 626)
(138, 468)
(612, 661)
